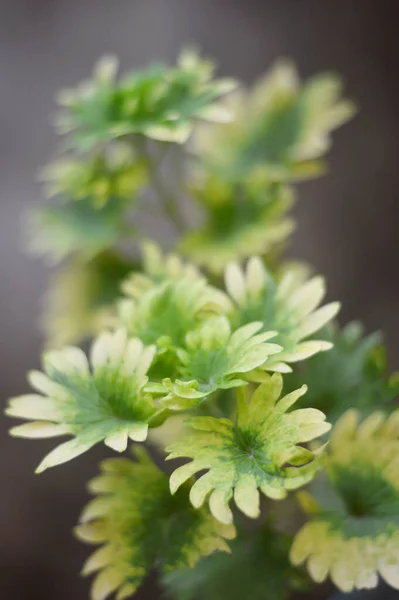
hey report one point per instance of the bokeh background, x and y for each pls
(348, 221)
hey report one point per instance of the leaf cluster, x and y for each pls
(208, 350)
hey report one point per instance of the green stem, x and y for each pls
(167, 199)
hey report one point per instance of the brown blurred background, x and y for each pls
(348, 221)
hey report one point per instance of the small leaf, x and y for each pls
(215, 357)
(286, 306)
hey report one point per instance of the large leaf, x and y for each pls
(353, 534)
(160, 102)
(257, 568)
(353, 374)
(262, 449)
(140, 526)
(280, 129)
(98, 401)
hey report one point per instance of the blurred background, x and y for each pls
(348, 220)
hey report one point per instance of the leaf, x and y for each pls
(165, 313)
(288, 306)
(280, 131)
(157, 269)
(103, 400)
(58, 230)
(80, 299)
(255, 452)
(159, 102)
(214, 358)
(353, 374)
(257, 568)
(238, 223)
(114, 173)
(353, 533)
(141, 527)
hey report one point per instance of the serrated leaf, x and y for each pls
(353, 534)
(281, 128)
(100, 400)
(353, 374)
(214, 357)
(249, 454)
(288, 306)
(168, 311)
(141, 527)
(257, 568)
(159, 102)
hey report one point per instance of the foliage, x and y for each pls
(354, 534)
(141, 527)
(279, 132)
(287, 306)
(79, 302)
(238, 225)
(156, 269)
(260, 450)
(59, 230)
(214, 358)
(201, 367)
(159, 102)
(258, 562)
(280, 128)
(114, 174)
(351, 375)
(100, 401)
(166, 312)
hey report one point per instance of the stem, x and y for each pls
(168, 201)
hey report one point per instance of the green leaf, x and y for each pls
(214, 358)
(113, 174)
(98, 401)
(353, 374)
(140, 526)
(260, 450)
(165, 313)
(238, 223)
(157, 268)
(288, 306)
(258, 568)
(168, 301)
(58, 230)
(281, 128)
(354, 537)
(80, 300)
(159, 102)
